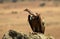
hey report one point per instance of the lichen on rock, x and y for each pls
(17, 35)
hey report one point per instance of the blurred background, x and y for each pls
(13, 16)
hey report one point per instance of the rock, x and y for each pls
(16, 35)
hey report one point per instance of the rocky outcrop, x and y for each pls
(11, 34)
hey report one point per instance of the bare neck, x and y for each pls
(30, 12)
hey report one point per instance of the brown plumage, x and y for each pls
(35, 22)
